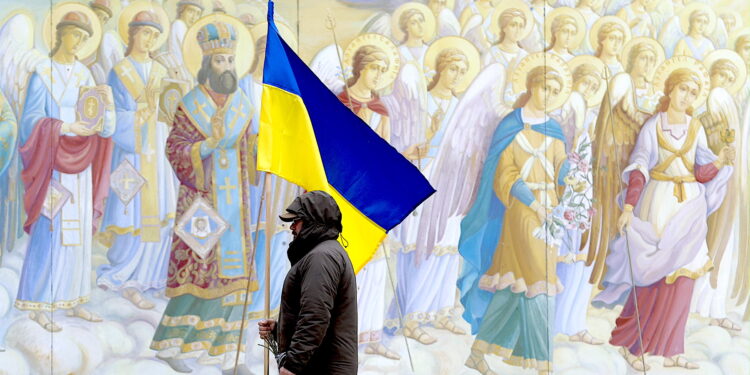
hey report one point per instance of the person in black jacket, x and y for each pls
(317, 328)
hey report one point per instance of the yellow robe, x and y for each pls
(522, 261)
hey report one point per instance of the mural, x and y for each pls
(590, 160)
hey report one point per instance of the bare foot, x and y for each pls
(726, 324)
(636, 362)
(448, 324)
(81, 312)
(382, 350)
(586, 338)
(680, 361)
(44, 321)
(477, 362)
(137, 299)
(417, 333)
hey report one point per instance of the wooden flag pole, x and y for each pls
(269, 232)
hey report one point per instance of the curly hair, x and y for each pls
(604, 31)
(443, 60)
(364, 56)
(535, 77)
(636, 51)
(558, 23)
(508, 15)
(403, 21)
(675, 78)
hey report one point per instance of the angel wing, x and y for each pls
(407, 107)
(719, 36)
(663, 11)
(326, 66)
(721, 113)
(613, 6)
(448, 24)
(110, 53)
(378, 23)
(462, 152)
(18, 59)
(616, 131)
(670, 35)
(741, 288)
(571, 117)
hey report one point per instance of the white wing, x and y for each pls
(571, 117)
(18, 59)
(448, 24)
(613, 6)
(407, 107)
(720, 36)
(379, 23)
(326, 66)
(463, 151)
(473, 31)
(670, 35)
(110, 53)
(662, 12)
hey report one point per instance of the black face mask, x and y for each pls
(223, 83)
(321, 221)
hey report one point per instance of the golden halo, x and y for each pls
(660, 55)
(736, 35)
(736, 60)
(429, 21)
(668, 66)
(58, 12)
(461, 44)
(382, 42)
(511, 4)
(599, 66)
(690, 8)
(555, 63)
(131, 10)
(116, 7)
(594, 33)
(290, 37)
(170, 6)
(579, 20)
(193, 55)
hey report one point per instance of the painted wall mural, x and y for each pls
(590, 159)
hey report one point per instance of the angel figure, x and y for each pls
(590, 10)
(508, 280)
(674, 182)
(8, 138)
(110, 51)
(607, 36)
(540, 9)
(475, 23)
(637, 15)
(742, 47)
(689, 32)
(721, 122)
(54, 145)
(138, 233)
(188, 11)
(512, 22)
(20, 58)
(630, 100)
(565, 28)
(427, 282)
(576, 118)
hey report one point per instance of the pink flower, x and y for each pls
(584, 166)
(591, 211)
(568, 215)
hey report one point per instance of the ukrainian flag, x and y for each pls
(308, 137)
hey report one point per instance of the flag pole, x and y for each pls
(270, 232)
(247, 288)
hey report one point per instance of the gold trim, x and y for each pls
(43, 306)
(195, 346)
(212, 292)
(117, 230)
(684, 272)
(494, 283)
(197, 161)
(485, 347)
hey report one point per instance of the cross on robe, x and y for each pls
(126, 181)
(128, 73)
(227, 188)
(199, 109)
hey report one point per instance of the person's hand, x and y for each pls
(79, 128)
(284, 371)
(541, 212)
(625, 219)
(106, 93)
(727, 155)
(266, 327)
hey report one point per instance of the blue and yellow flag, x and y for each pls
(308, 137)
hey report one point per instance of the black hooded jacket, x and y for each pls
(318, 316)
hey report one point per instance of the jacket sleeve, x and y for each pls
(317, 293)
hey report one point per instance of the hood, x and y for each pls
(321, 222)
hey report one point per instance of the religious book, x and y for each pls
(201, 227)
(57, 196)
(171, 93)
(90, 107)
(126, 182)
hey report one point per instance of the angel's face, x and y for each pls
(145, 39)
(102, 15)
(190, 14)
(722, 78)
(744, 52)
(415, 26)
(587, 86)
(683, 95)
(453, 75)
(513, 29)
(545, 93)
(699, 24)
(73, 40)
(372, 73)
(612, 43)
(644, 63)
(565, 35)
